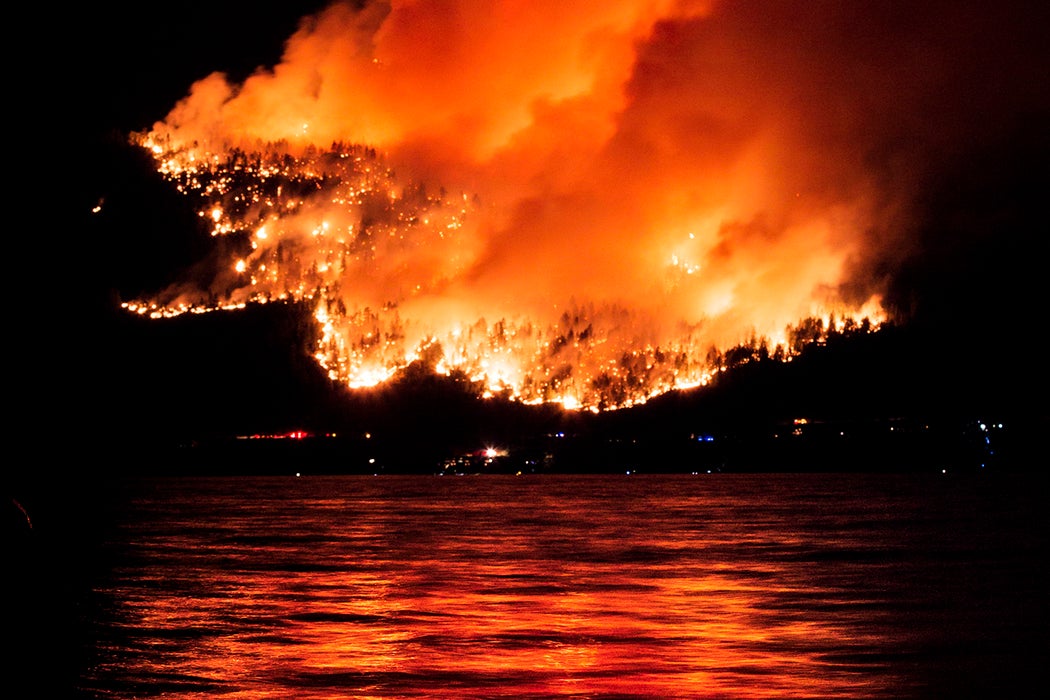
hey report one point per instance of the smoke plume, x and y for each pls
(643, 173)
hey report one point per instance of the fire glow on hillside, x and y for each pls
(565, 203)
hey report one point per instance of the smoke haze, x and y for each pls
(717, 169)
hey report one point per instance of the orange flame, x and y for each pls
(572, 202)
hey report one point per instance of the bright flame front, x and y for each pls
(384, 262)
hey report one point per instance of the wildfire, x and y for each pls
(538, 228)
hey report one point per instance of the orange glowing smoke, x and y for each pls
(567, 201)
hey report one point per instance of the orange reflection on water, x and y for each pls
(494, 598)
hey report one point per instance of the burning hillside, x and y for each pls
(376, 258)
(585, 203)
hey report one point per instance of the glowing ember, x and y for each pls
(536, 220)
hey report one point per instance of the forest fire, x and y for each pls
(592, 220)
(325, 226)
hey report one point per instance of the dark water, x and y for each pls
(723, 586)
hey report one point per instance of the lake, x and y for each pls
(596, 586)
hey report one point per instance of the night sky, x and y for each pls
(962, 267)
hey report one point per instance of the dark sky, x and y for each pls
(973, 276)
(130, 66)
